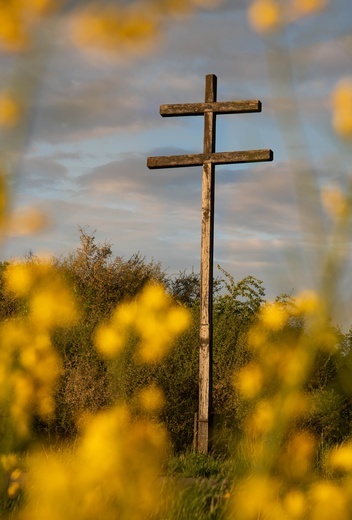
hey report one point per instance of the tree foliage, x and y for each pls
(90, 383)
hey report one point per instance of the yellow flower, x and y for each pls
(262, 418)
(125, 314)
(178, 319)
(153, 316)
(264, 15)
(342, 108)
(9, 462)
(175, 6)
(340, 457)
(307, 7)
(307, 302)
(293, 365)
(19, 279)
(294, 405)
(256, 498)
(257, 337)
(295, 504)
(273, 316)
(53, 306)
(9, 110)
(117, 29)
(41, 7)
(13, 488)
(328, 501)
(298, 459)
(153, 350)
(249, 380)
(13, 34)
(107, 340)
(153, 297)
(26, 222)
(151, 399)
(334, 202)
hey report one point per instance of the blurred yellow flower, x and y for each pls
(249, 380)
(174, 6)
(153, 316)
(257, 337)
(328, 501)
(117, 29)
(26, 222)
(306, 7)
(307, 302)
(10, 111)
(293, 365)
(151, 399)
(13, 488)
(299, 456)
(256, 498)
(342, 108)
(152, 350)
(27, 352)
(264, 15)
(125, 314)
(107, 340)
(41, 7)
(262, 419)
(18, 19)
(294, 405)
(178, 319)
(19, 279)
(334, 202)
(295, 504)
(13, 34)
(53, 306)
(273, 316)
(153, 297)
(340, 457)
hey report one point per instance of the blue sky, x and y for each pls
(96, 119)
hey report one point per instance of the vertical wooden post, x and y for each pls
(206, 273)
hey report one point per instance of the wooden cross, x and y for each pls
(208, 159)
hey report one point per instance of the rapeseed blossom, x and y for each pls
(111, 472)
(152, 316)
(267, 16)
(30, 366)
(342, 108)
(18, 19)
(10, 112)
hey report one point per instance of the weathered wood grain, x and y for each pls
(206, 272)
(182, 161)
(219, 107)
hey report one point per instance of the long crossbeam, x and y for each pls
(179, 161)
(208, 159)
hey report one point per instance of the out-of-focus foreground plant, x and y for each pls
(283, 468)
(111, 470)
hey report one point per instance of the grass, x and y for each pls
(194, 465)
(198, 485)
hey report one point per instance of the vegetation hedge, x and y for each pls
(90, 383)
